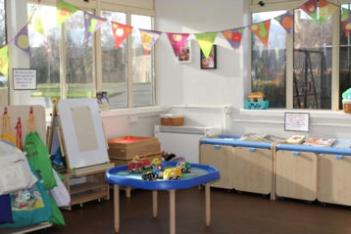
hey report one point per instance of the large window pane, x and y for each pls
(44, 56)
(312, 62)
(143, 79)
(269, 64)
(3, 79)
(115, 63)
(79, 59)
(345, 57)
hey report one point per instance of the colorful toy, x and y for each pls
(185, 166)
(172, 173)
(137, 165)
(255, 100)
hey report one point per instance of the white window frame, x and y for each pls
(275, 5)
(144, 7)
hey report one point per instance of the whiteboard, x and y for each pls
(83, 134)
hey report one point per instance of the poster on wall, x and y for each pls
(24, 79)
(296, 121)
(211, 61)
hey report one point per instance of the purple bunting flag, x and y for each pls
(286, 21)
(21, 39)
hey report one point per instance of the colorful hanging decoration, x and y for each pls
(234, 36)
(178, 41)
(38, 24)
(4, 60)
(261, 30)
(120, 32)
(286, 21)
(64, 11)
(148, 39)
(92, 23)
(205, 41)
(346, 21)
(21, 39)
(323, 14)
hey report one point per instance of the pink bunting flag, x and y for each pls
(286, 21)
(234, 36)
(148, 39)
(21, 39)
(120, 32)
(261, 30)
(92, 23)
(178, 41)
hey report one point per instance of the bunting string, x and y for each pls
(318, 10)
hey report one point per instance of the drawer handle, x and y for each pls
(216, 147)
(296, 154)
(339, 157)
(252, 150)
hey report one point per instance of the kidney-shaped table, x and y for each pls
(200, 175)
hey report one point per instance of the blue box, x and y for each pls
(256, 105)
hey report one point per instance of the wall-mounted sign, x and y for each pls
(297, 121)
(24, 79)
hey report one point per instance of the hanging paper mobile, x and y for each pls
(234, 36)
(120, 32)
(205, 41)
(148, 39)
(261, 30)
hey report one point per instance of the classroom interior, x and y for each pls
(160, 116)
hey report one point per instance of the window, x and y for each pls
(3, 38)
(67, 66)
(306, 79)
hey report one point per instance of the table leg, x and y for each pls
(116, 208)
(208, 204)
(172, 212)
(128, 192)
(154, 204)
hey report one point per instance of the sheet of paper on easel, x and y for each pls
(83, 135)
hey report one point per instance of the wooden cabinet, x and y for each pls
(334, 176)
(296, 175)
(252, 170)
(221, 157)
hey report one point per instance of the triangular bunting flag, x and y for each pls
(148, 39)
(92, 23)
(346, 21)
(205, 41)
(64, 11)
(21, 39)
(286, 21)
(38, 24)
(261, 30)
(178, 41)
(321, 15)
(4, 60)
(120, 32)
(234, 36)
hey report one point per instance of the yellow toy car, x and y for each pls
(172, 173)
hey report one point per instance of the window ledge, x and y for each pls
(151, 110)
(280, 112)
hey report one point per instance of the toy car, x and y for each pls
(137, 165)
(172, 173)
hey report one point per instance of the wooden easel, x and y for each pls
(84, 184)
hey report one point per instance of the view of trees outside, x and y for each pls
(3, 79)
(114, 63)
(312, 62)
(345, 58)
(79, 59)
(143, 79)
(44, 56)
(269, 64)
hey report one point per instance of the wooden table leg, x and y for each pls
(154, 204)
(116, 209)
(208, 204)
(172, 212)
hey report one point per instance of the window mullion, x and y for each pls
(335, 61)
(130, 65)
(290, 70)
(63, 75)
(98, 56)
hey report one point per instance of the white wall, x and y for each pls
(187, 83)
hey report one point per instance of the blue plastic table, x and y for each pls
(200, 175)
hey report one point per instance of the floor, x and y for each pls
(232, 212)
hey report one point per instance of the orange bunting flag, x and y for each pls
(286, 21)
(234, 36)
(261, 30)
(120, 32)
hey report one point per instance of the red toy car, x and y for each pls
(137, 165)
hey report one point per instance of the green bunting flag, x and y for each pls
(64, 11)
(4, 60)
(205, 41)
(261, 30)
(319, 10)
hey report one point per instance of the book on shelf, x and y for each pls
(316, 141)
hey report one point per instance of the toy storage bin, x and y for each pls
(253, 170)
(172, 120)
(296, 175)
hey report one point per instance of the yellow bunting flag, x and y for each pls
(4, 60)
(205, 41)
(64, 11)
